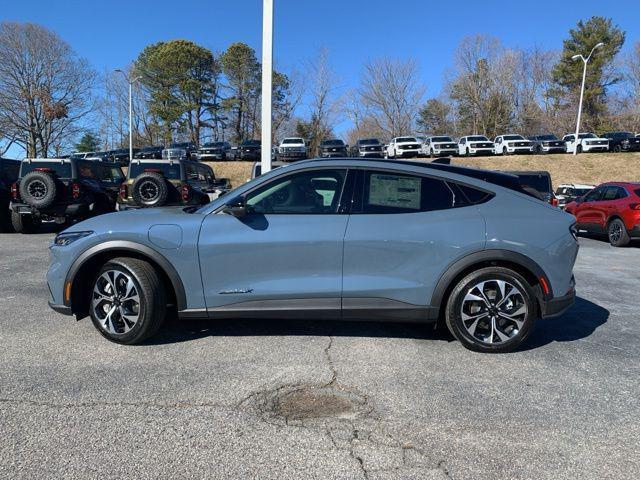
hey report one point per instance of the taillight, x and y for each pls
(185, 192)
(123, 191)
(14, 191)
(75, 191)
(554, 201)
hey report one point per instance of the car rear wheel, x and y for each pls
(617, 233)
(491, 310)
(23, 223)
(617, 148)
(127, 301)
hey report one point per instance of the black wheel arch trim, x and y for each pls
(496, 255)
(129, 246)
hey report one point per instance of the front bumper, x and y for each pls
(211, 156)
(595, 148)
(481, 151)
(559, 148)
(340, 154)
(445, 151)
(519, 149)
(409, 153)
(292, 155)
(251, 155)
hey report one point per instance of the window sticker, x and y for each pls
(394, 191)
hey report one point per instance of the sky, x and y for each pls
(111, 34)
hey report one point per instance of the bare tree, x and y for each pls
(45, 88)
(390, 93)
(324, 102)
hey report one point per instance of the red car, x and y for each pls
(612, 209)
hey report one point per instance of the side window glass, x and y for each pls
(390, 192)
(594, 195)
(310, 192)
(202, 173)
(611, 193)
(191, 172)
(87, 170)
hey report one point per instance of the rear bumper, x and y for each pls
(69, 210)
(557, 306)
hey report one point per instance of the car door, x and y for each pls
(461, 145)
(607, 205)
(586, 213)
(285, 253)
(403, 232)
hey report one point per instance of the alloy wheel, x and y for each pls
(116, 302)
(37, 189)
(148, 191)
(615, 232)
(493, 311)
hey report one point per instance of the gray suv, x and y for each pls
(330, 239)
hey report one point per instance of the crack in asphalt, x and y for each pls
(98, 403)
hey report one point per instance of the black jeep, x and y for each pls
(149, 152)
(62, 190)
(169, 182)
(9, 170)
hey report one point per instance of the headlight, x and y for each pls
(64, 239)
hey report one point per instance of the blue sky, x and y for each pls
(110, 34)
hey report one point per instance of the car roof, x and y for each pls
(162, 160)
(502, 179)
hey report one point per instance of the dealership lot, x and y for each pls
(276, 399)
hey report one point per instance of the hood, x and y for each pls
(133, 218)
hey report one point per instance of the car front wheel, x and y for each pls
(491, 310)
(127, 301)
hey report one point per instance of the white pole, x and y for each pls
(267, 74)
(584, 76)
(130, 122)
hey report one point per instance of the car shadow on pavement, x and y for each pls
(177, 330)
(579, 322)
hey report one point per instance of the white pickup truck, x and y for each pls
(292, 148)
(587, 142)
(403, 147)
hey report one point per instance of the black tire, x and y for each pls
(539, 150)
(25, 223)
(617, 148)
(579, 148)
(150, 190)
(152, 306)
(514, 336)
(617, 233)
(38, 189)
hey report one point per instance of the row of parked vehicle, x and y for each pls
(64, 190)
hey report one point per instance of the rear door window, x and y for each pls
(594, 195)
(168, 170)
(386, 192)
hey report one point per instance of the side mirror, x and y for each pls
(236, 207)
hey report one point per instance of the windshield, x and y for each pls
(547, 137)
(513, 137)
(251, 143)
(168, 170)
(333, 142)
(174, 153)
(292, 140)
(213, 145)
(478, 138)
(541, 183)
(441, 139)
(406, 139)
(587, 135)
(62, 170)
(369, 141)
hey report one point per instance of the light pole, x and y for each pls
(584, 77)
(267, 85)
(130, 81)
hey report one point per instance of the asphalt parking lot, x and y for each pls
(273, 399)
